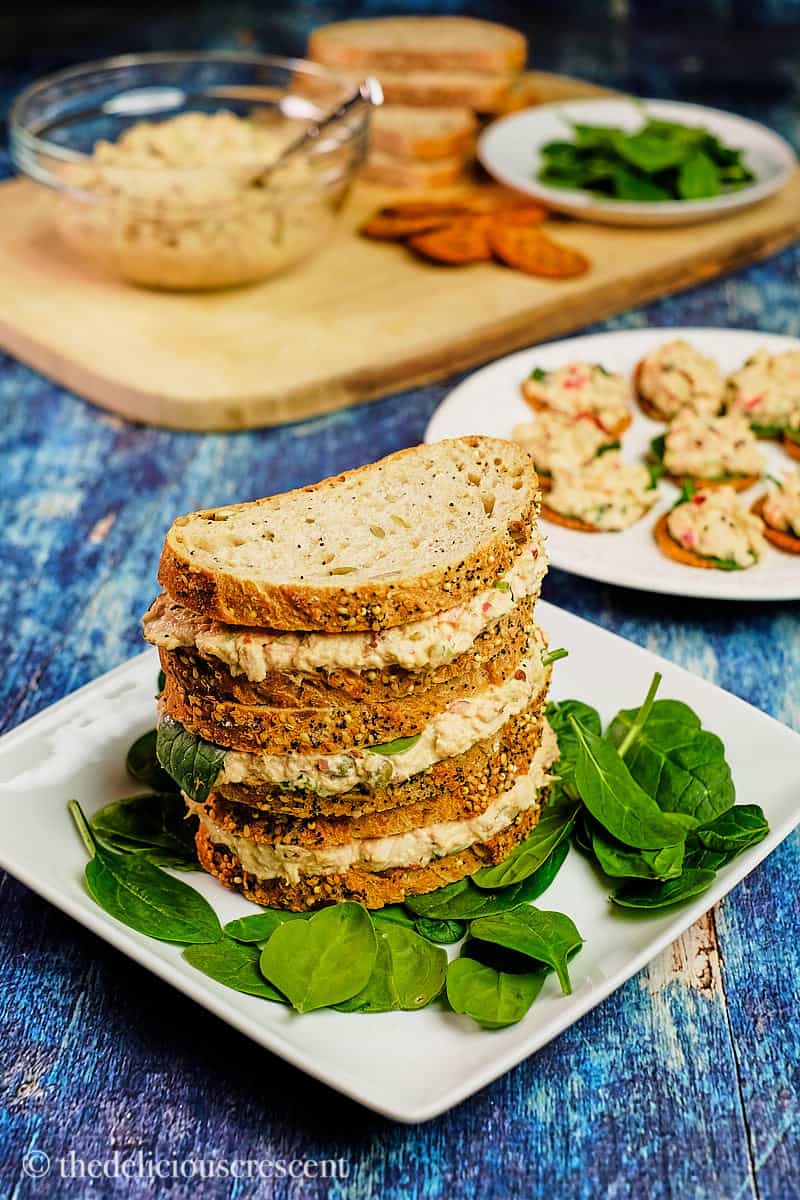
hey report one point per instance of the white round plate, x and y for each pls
(510, 149)
(490, 402)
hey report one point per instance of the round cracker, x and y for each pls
(550, 514)
(674, 550)
(791, 447)
(739, 483)
(777, 537)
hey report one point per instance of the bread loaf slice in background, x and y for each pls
(414, 175)
(422, 133)
(427, 43)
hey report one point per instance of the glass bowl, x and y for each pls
(186, 201)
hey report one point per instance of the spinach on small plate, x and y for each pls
(660, 161)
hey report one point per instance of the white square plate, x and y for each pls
(408, 1066)
(490, 402)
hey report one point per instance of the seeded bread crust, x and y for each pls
(322, 832)
(210, 678)
(487, 768)
(473, 471)
(370, 888)
(298, 730)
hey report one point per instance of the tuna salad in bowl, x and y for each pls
(162, 164)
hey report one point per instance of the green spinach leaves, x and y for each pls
(194, 764)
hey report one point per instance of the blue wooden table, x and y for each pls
(685, 1083)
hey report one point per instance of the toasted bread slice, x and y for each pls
(405, 173)
(423, 133)
(282, 729)
(373, 889)
(485, 768)
(209, 677)
(409, 43)
(403, 538)
(778, 537)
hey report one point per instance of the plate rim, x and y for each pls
(742, 593)
(212, 996)
(581, 203)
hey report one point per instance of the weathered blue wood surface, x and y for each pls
(684, 1084)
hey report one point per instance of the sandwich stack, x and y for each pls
(355, 684)
(437, 73)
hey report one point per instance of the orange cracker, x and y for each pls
(791, 447)
(462, 241)
(550, 514)
(667, 545)
(528, 249)
(778, 537)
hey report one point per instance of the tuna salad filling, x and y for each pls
(782, 505)
(676, 375)
(715, 524)
(555, 440)
(415, 646)
(289, 861)
(766, 390)
(582, 389)
(705, 447)
(451, 732)
(609, 494)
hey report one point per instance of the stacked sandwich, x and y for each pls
(436, 74)
(354, 682)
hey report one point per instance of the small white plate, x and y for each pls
(408, 1066)
(490, 402)
(510, 149)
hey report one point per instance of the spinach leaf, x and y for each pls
(142, 764)
(698, 856)
(153, 825)
(261, 926)
(733, 831)
(679, 764)
(324, 960)
(558, 714)
(233, 964)
(492, 998)
(397, 914)
(553, 828)
(446, 933)
(616, 800)
(142, 896)
(538, 374)
(766, 431)
(547, 937)
(194, 764)
(463, 901)
(691, 882)
(697, 177)
(397, 746)
(658, 448)
(409, 973)
(621, 862)
(632, 185)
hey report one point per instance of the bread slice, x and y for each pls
(210, 679)
(485, 768)
(325, 729)
(409, 43)
(373, 889)
(385, 544)
(446, 89)
(422, 133)
(388, 171)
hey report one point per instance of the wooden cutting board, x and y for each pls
(358, 320)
